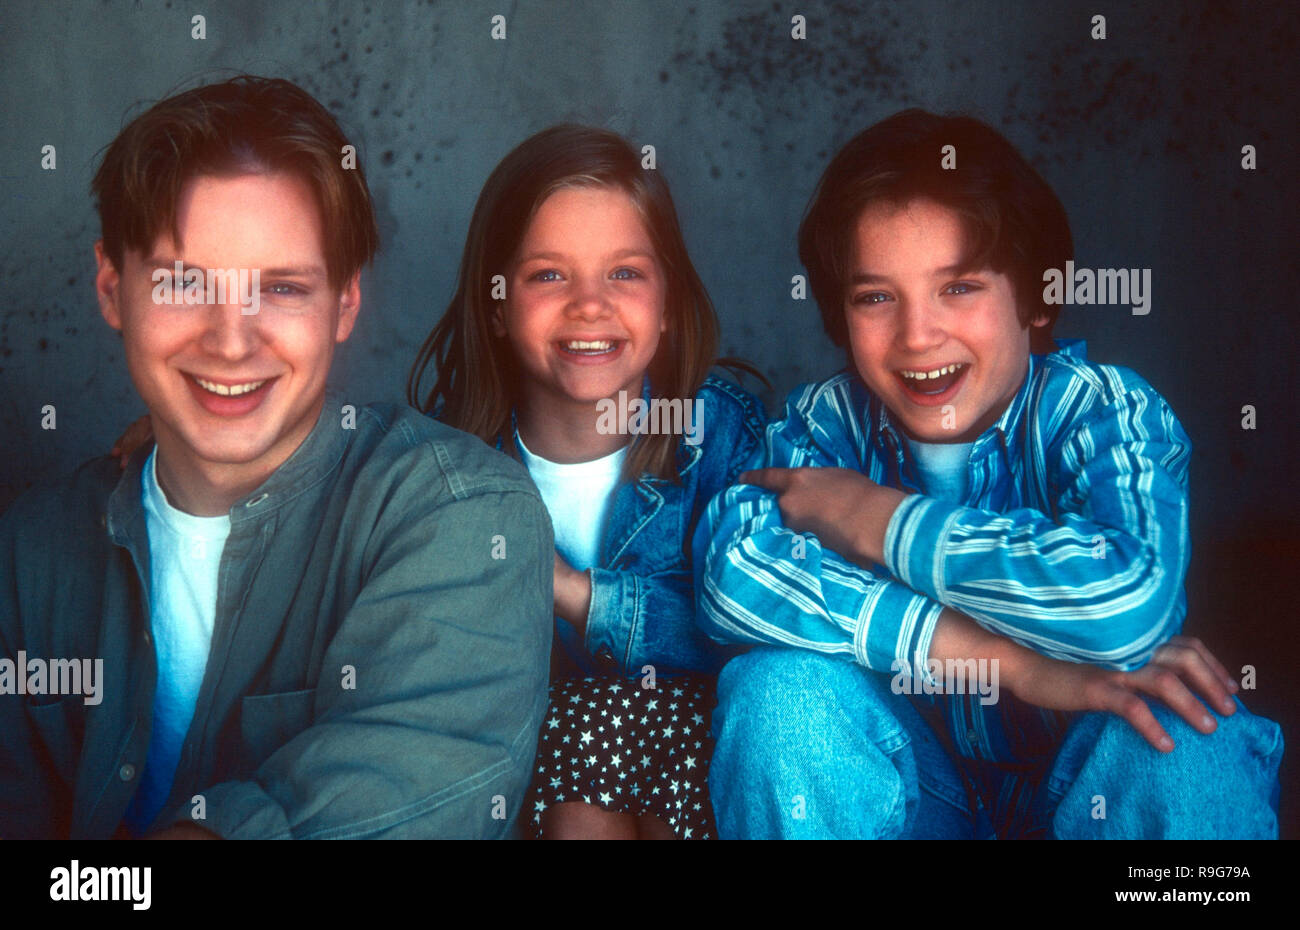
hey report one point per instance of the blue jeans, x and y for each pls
(810, 746)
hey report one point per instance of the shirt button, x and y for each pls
(126, 772)
(972, 736)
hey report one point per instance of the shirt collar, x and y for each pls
(316, 456)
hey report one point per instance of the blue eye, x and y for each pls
(550, 274)
(625, 274)
(961, 287)
(870, 297)
(286, 290)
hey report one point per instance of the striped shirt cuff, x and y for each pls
(915, 541)
(895, 628)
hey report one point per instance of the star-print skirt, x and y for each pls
(628, 749)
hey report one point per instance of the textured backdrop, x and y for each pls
(1140, 133)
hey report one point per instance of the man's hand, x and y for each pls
(572, 594)
(846, 510)
(1178, 663)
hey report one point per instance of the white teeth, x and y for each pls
(580, 345)
(936, 373)
(229, 390)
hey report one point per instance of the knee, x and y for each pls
(1242, 742)
(797, 750)
(774, 694)
(1244, 752)
(775, 672)
(790, 708)
(1221, 784)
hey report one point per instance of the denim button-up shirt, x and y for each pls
(379, 659)
(643, 589)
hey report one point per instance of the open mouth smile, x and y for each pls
(591, 351)
(932, 385)
(229, 400)
(230, 390)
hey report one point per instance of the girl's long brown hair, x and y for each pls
(477, 385)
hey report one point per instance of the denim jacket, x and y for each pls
(377, 668)
(643, 590)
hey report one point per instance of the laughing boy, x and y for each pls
(962, 495)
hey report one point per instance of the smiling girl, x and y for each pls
(575, 287)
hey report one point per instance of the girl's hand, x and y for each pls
(1178, 663)
(572, 594)
(136, 435)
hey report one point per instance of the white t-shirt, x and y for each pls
(184, 556)
(944, 468)
(578, 497)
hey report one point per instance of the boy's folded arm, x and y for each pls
(1101, 581)
(450, 660)
(737, 603)
(1181, 675)
(762, 583)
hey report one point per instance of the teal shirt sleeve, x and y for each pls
(434, 734)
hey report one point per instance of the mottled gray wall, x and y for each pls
(1140, 134)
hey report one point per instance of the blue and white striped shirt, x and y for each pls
(1072, 539)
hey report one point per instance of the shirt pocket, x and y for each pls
(61, 724)
(268, 721)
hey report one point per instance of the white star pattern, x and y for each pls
(654, 783)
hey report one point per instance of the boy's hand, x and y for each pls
(846, 510)
(1178, 663)
(136, 435)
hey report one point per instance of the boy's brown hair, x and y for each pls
(1014, 223)
(244, 125)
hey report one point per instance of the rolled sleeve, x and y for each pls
(612, 616)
